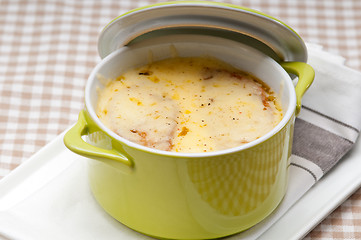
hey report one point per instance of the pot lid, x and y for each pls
(245, 25)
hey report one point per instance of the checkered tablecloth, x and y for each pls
(48, 48)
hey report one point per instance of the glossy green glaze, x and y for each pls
(190, 196)
(305, 74)
(185, 197)
(73, 140)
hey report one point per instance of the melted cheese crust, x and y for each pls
(188, 105)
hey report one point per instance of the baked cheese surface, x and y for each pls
(195, 104)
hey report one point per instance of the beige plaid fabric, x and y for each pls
(48, 48)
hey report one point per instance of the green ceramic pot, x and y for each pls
(189, 195)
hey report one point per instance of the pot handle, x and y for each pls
(73, 141)
(305, 74)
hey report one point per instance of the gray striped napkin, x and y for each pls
(330, 119)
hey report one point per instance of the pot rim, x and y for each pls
(288, 86)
